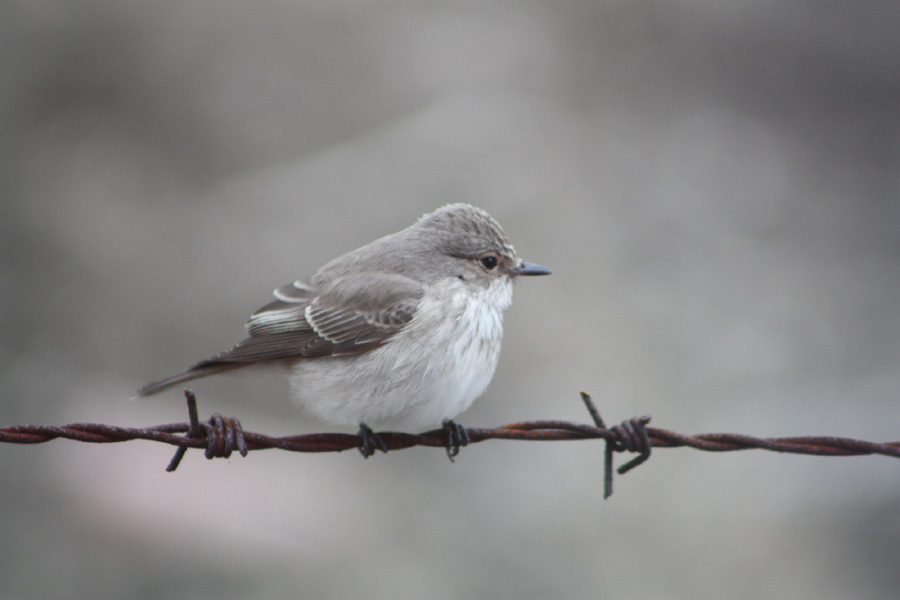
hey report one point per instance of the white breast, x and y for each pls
(433, 370)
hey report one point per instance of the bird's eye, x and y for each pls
(489, 262)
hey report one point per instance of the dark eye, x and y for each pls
(489, 262)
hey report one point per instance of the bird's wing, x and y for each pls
(352, 315)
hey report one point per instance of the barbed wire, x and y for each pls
(220, 436)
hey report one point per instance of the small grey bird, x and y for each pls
(402, 332)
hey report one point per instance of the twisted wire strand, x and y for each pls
(220, 436)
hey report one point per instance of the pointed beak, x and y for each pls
(527, 268)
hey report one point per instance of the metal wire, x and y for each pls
(220, 436)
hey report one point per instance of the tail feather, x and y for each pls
(195, 372)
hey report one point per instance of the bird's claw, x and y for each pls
(370, 441)
(457, 436)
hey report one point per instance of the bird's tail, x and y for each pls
(195, 372)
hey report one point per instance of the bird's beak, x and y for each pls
(527, 268)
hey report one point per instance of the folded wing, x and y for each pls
(351, 315)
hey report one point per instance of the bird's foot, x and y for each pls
(457, 436)
(369, 441)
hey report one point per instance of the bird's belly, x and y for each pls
(431, 371)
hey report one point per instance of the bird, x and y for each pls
(402, 332)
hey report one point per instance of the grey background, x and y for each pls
(714, 184)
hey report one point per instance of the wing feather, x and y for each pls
(349, 315)
(353, 315)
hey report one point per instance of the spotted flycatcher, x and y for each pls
(402, 332)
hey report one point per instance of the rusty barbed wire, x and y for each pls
(220, 436)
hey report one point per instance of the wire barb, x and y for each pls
(630, 436)
(223, 435)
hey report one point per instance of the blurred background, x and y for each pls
(716, 186)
